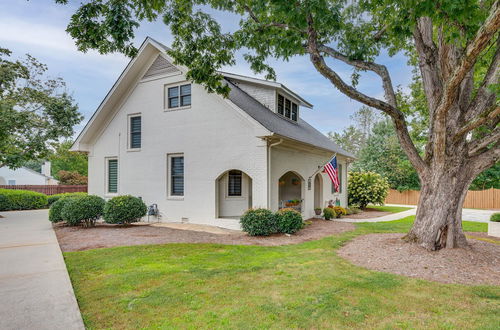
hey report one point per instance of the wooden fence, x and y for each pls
(475, 199)
(48, 189)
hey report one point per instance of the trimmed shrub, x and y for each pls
(54, 198)
(55, 211)
(288, 221)
(340, 211)
(124, 209)
(355, 210)
(495, 217)
(367, 187)
(11, 199)
(329, 213)
(83, 209)
(258, 222)
(348, 211)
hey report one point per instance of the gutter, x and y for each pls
(269, 170)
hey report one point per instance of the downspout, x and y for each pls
(269, 171)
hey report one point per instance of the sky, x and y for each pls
(38, 27)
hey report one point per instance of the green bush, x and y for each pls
(288, 221)
(55, 211)
(495, 217)
(348, 211)
(54, 198)
(83, 209)
(367, 187)
(354, 210)
(124, 209)
(329, 213)
(258, 222)
(11, 199)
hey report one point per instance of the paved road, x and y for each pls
(476, 215)
(35, 289)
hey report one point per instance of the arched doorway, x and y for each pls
(233, 194)
(318, 191)
(290, 191)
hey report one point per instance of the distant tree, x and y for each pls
(488, 179)
(35, 111)
(382, 154)
(71, 178)
(64, 160)
(353, 138)
(452, 39)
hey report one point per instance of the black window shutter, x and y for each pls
(135, 132)
(113, 175)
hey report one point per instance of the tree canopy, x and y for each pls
(35, 111)
(448, 38)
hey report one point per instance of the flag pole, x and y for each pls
(319, 167)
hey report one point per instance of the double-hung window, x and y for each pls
(234, 184)
(281, 104)
(179, 96)
(135, 132)
(112, 177)
(176, 163)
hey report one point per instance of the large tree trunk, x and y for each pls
(438, 223)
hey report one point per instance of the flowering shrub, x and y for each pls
(367, 187)
(329, 213)
(340, 211)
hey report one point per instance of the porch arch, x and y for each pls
(233, 194)
(291, 187)
(318, 191)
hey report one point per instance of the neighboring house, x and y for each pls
(203, 158)
(26, 176)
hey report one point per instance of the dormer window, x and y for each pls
(287, 108)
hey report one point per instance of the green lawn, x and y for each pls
(386, 208)
(298, 286)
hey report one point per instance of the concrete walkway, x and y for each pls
(35, 289)
(475, 215)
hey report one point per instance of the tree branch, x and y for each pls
(481, 145)
(493, 114)
(481, 40)
(379, 69)
(398, 118)
(485, 98)
(254, 17)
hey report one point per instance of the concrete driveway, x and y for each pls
(35, 289)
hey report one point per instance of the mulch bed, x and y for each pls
(103, 235)
(480, 264)
(367, 213)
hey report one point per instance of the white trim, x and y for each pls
(169, 181)
(106, 176)
(129, 132)
(166, 87)
(268, 83)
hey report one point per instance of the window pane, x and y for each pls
(185, 100)
(173, 91)
(177, 176)
(294, 111)
(113, 175)
(287, 108)
(186, 90)
(135, 132)
(234, 183)
(173, 102)
(281, 100)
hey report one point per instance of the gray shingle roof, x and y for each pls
(300, 131)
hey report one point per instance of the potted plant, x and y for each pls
(494, 225)
(317, 210)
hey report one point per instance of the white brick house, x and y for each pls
(200, 157)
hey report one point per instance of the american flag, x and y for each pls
(331, 170)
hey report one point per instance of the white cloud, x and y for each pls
(54, 41)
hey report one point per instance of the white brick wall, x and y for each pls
(265, 95)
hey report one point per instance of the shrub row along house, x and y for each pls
(203, 158)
